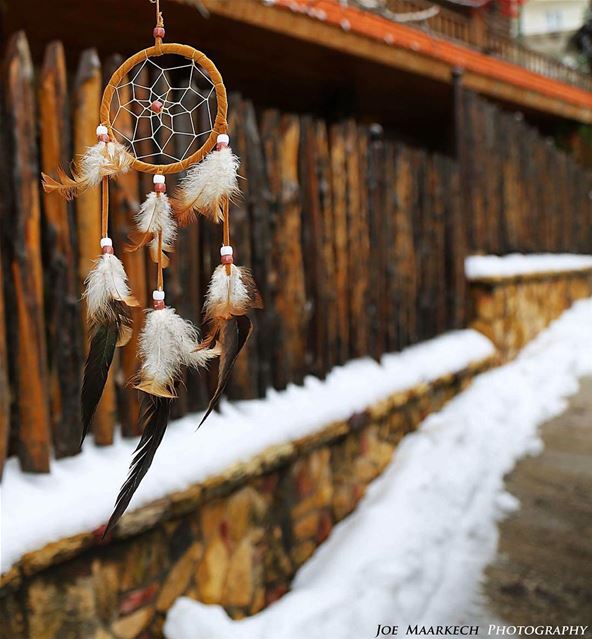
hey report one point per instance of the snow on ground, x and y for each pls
(415, 548)
(79, 493)
(478, 266)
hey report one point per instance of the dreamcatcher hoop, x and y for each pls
(219, 126)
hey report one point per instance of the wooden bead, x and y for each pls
(103, 138)
(160, 188)
(156, 106)
(226, 259)
(107, 249)
(158, 32)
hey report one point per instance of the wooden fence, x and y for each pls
(522, 193)
(357, 243)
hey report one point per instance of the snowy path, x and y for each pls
(415, 549)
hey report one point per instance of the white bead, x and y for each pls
(226, 250)
(106, 241)
(223, 139)
(158, 295)
(102, 130)
(158, 179)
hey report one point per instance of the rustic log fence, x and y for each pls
(357, 243)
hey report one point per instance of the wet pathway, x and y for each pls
(543, 570)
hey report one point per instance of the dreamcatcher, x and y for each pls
(168, 91)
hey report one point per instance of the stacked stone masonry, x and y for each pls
(511, 311)
(235, 540)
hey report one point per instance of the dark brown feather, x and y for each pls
(233, 335)
(104, 337)
(153, 420)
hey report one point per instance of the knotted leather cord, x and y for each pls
(159, 271)
(105, 207)
(226, 229)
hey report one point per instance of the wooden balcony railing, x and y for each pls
(478, 34)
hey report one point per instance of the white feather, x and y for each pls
(156, 215)
(208, 182)
(103, 159)
(167, 343)
(227, 294)
(107, 281)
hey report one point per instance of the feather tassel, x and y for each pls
(229, 299)
(166, 344)
(233, 335)
(104, 159)
(206, 186)
(108, 302)
(155, 215)
(233, 294)
(154, 417)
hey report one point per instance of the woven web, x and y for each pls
(165, 110)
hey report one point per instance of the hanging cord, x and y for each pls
(158, 32)
(159, 272)
(226, 231)
(105, 207)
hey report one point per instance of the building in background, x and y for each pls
(547, 26)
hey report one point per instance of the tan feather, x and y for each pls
(206, 186)
(99, 161)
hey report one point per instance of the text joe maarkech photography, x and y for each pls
(295, 319)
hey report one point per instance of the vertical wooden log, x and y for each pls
(316, 280)
(30, 364)
(385, 287)
(461, 122)
(291, 295)
(340, 236)
(261, 230)
(243, 384)
(8, 430)
(358, 243)
(124, 204)
(87, 95)
(270, 125)
(62, 312)
(4, 387)
(404, 253)
(328, 245)
(455, 250)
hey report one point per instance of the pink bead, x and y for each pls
(226, 259)
(160, 188)
(158, 305)
(221, 145)
(107, 249)
(158, 32)
(103, 138)
(156, 106)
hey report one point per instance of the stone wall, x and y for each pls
(511, 311)
(236, 539)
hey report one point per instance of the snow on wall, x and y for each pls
(78, 495)
(415, 548)
(478, 266)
